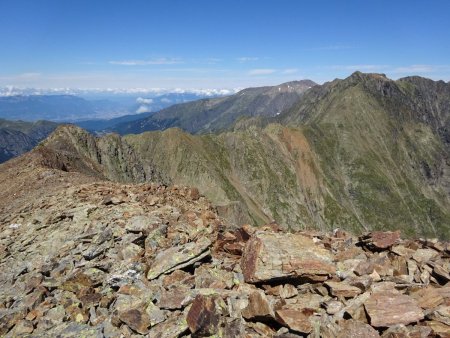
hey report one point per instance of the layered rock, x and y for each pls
(109, 260)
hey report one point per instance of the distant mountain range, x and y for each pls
(361, 153)
(18, 137)
(91, 105)
(218, 114)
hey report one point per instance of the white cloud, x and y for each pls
(143, 109)
(29, 75)
(389, 69)
(330, 47)
(243, 59)
(142, 100)
(165, 100)
(362, 67)
(261, 71)
(160, 61)
(414, 69)
(290, 71)
(213, 61)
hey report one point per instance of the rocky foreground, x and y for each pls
(109, 260)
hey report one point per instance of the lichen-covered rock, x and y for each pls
(113, 260)
(179, 257)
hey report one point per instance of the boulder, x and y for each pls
(388, 309)
(272, 256)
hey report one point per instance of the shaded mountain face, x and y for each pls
(362, 153)
(18, 137)
(218, 114)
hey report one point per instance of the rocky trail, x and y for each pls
(109, 260)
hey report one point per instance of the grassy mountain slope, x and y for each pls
(361, 153)
(384, 148)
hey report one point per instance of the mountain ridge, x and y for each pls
(215, 115)
(363, 153)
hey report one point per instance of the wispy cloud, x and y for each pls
(143, 109)
(213, 61)
(243, 59)
(261, 71)
(328, 48)
(290, 71)
(415, 69)
(361, 67)
(390, 69)
(143, 100)
(23, 77)
(32, 75)
(159, 61)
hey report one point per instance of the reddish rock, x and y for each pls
(441, 330)
(424, 255)
(380, 239)
(402, 331)
(204, 316)
(342, 289)
(258, 306)
(136, 320)
(268, 256)
(234, 248)
(173, 298)
(364, 268)
(355, 329)
(297, 320)
(194, 194)
(284, 291)
(178, 277)
(388, 308)
(91, 299)
(427, 298)
(442, 272)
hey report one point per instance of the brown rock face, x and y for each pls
(381, 240)
(204, 316)
(388, 308)
(297, 320)
(136, 320)
(340, 289)
(402, 331)
(355, 329)
(258, 306)
(271, 256)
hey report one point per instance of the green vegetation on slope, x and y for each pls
(361, 153)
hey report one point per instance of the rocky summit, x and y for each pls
(116, 236)
(102, 259)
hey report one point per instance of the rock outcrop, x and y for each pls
(108, 260)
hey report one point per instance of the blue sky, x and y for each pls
(218, 44)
